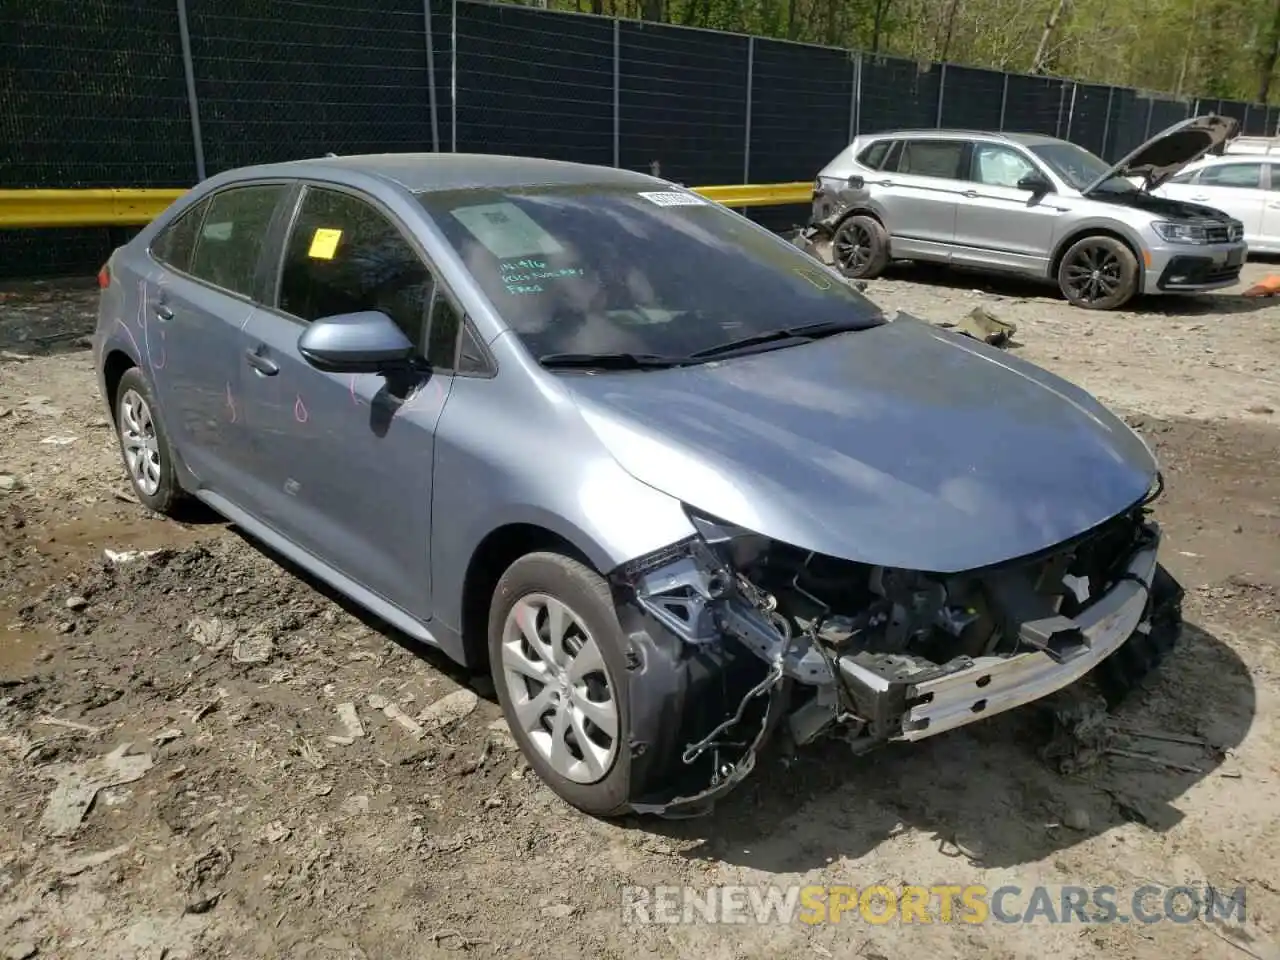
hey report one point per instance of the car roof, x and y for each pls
(1024, 139)
(425, 172)
(1234, 158)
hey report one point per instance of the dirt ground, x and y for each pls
(253, 825)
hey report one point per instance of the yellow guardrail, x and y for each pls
(760, 195)
(82, 208)
(133, 207)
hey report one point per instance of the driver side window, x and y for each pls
(344, 255)
(996, 166)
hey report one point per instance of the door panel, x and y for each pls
(199, 333)
(996, 222)
(344, 462)
(1269, 233)
(194, 306)
(918, 197)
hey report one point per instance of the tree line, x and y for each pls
(1196, 48)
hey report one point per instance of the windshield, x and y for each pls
(606, 270)
(1076, 165)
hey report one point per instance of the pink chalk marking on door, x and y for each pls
(125, 327)
(231, 404)
(300, 410)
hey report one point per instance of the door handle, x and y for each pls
(1200, 198)
(1274, 205)
(971, 194)
(264, 365)
(163, 312)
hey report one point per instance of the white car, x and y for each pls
(1245, 186)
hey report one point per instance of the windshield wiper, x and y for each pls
(608, 361)
(808, 331)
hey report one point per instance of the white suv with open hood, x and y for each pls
(1033, 205)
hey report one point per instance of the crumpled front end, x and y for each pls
(737, 638)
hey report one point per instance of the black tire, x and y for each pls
(860, 248)
(1098, 273)
(167, 495)
(588, 596)
(1128, 669)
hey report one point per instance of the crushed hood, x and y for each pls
(1171, 149)
(901, 445)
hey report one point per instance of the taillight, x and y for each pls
(104, 277)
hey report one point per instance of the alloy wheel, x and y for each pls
(852, 247)
(140, 443)
(1093, 274)
(560, 688)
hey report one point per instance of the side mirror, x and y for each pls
(364, 342)
(1037, 183)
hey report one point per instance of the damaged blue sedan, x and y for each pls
(678, 486)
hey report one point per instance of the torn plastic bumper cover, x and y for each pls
(735, 638)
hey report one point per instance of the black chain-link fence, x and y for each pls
(158, 93)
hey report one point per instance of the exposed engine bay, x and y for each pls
(758, 638)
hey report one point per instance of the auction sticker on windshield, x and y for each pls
(673, 198)
(507, 231)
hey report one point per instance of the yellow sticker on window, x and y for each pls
(324, 243)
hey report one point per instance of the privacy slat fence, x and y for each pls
(156, 93)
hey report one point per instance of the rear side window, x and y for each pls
(873, 155)
(1184, 177)
(231, 236)
(932, 158)
(344, 256)
(1242, 175)
(174, 244)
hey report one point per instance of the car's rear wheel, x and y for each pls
(860, 248)
(557, 654)
(1098, 273)
(148, 458)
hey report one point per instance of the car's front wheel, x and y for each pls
(148, 458)
(1098, 273)
(558, 659)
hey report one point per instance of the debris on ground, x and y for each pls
(256, 646)
(392, 712)
(79, 785)
(1268, 286)
(213, 633)
(114, 557)
(448, 710)
(1080, 733)
(201, 875)
(500, 734)
(1076, 818)
(351, 725)
(78, 865)
(70, 725)
(981, 324)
